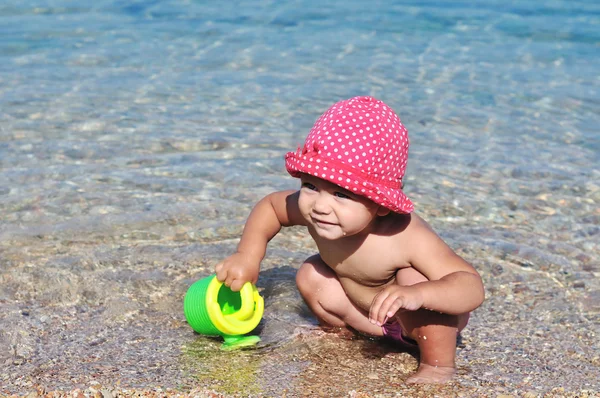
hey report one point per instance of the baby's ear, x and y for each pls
(383, 211)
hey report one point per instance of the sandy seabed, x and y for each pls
(105, 320)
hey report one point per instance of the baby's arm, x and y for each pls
(453, 287)
(265, 221)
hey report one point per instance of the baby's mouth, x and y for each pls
(322, 222)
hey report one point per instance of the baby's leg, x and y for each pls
(324, 295)
(434, 332)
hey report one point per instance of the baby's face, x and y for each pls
(334, 212)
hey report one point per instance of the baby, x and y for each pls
(380, 269)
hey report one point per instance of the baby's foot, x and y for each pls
(432, 374)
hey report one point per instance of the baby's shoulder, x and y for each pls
(399, 224)
(406, 227)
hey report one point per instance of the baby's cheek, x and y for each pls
(302, 205)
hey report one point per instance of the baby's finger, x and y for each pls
(221, 272)
(390, 306)
(381, 314)
(236, 285)
(384, 310)
(395, 307)
(375, 307)
(229, 280)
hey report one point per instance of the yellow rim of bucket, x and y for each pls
(242, 321)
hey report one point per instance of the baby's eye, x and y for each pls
(341, 195)
(308, 185)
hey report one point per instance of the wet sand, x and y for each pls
(101, 315)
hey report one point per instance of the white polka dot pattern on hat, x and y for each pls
(361, 145)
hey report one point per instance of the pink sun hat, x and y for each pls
(361, 145)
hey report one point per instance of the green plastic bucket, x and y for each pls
(213, 309)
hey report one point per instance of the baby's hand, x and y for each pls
(393, 298)
(236, 270)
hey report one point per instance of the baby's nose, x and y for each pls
(322, 205)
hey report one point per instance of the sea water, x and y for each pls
(135, 137)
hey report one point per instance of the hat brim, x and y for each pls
(348, 178)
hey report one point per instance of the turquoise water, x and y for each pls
(136, 136)
(89, 91)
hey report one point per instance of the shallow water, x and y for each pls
(135, 139)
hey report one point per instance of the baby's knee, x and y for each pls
(308, 278)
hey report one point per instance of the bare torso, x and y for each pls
(366, 263)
